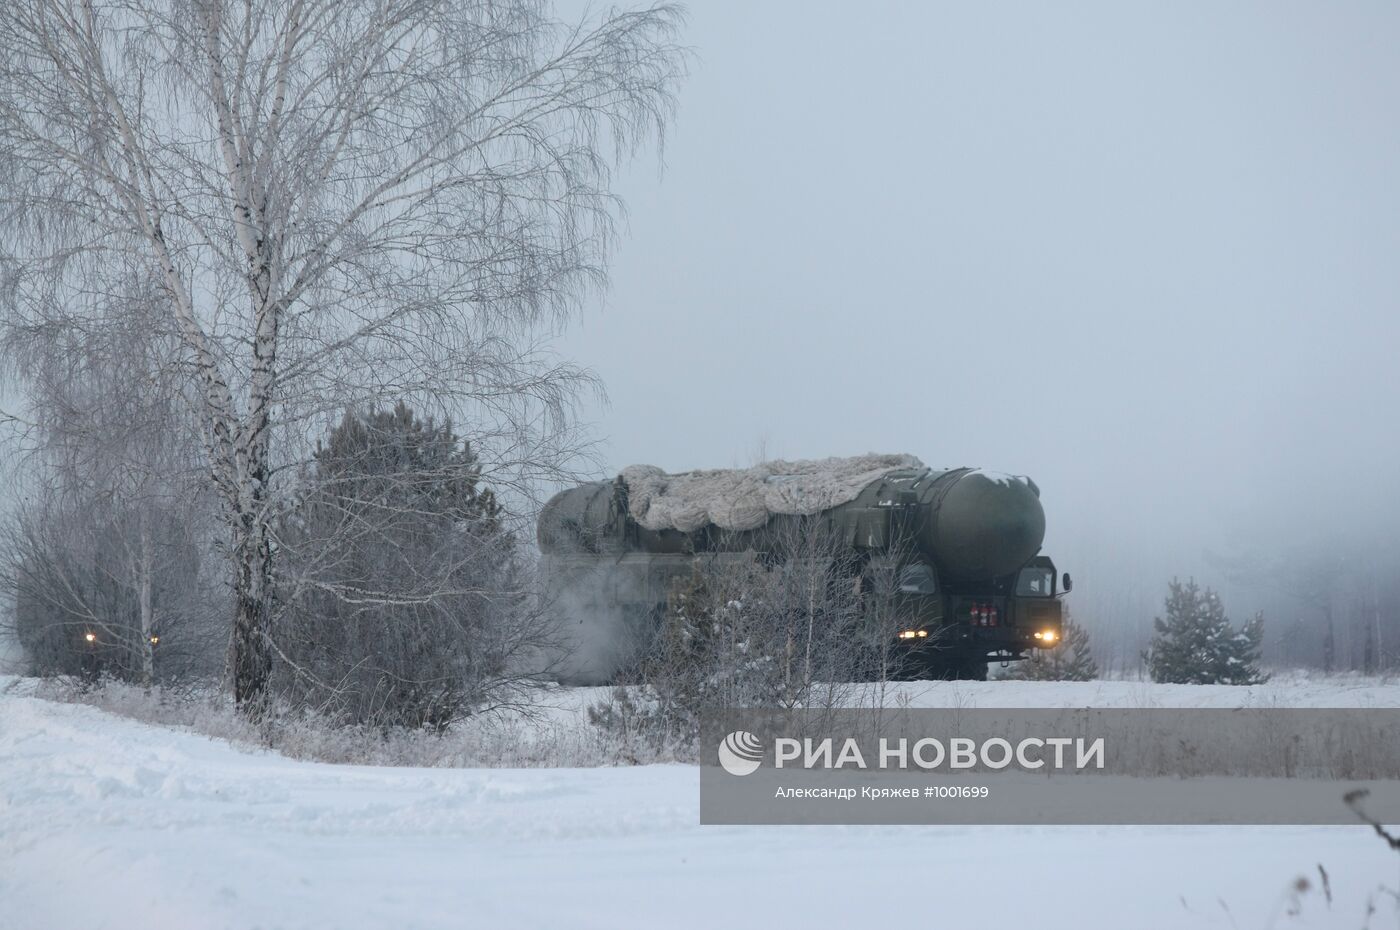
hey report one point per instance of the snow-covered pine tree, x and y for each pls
(1073, 660)
(399, 591)
(1195, 643)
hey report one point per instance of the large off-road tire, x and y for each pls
(972, 670)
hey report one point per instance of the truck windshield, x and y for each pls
(1036, 582)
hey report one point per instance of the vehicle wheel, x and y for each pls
(972, 670)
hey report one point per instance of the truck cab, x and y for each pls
(956, 629)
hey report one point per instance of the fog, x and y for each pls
(1143, 255)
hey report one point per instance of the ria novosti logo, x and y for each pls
(741, 753)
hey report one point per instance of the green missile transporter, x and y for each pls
(974, 586)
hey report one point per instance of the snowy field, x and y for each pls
(106, 822)
(1287, 690)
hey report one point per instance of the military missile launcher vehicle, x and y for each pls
(973, 584)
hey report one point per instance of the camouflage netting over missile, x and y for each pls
(744, 498)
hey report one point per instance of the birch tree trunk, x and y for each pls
(146, 604)
(249, 649)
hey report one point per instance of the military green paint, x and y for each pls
(977, 532)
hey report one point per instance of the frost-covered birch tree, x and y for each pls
(340, 202)
(112, 529)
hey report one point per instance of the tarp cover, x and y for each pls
(744, 498)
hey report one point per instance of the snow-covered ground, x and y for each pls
(105, 822)
(1291, 689)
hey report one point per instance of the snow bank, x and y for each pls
(551, 729)
(107, 823)
(744, 498)
(1286, 689)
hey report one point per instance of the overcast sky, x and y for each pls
(1145, 254)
